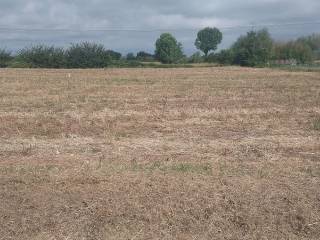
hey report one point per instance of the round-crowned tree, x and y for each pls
(168, 49)
(208, 39)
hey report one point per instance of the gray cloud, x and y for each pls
(147, 14)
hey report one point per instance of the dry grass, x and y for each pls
(200, 153)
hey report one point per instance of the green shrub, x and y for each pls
(196, 58)
(41, 56)
(130, 57)
(225, 57)
(145, 57)
(114, 55)
(87, 55)
(5, 58)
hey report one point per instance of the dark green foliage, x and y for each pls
(114, 55)
(313, 41)
(196, 58)
(304, 49)
(130, 57)
(5, 58)
(41, 56)
(254, 49)
(145, 57)
(87, 55)
(225, 57)
(211, 58)
(208, 40)
(293, 50)
(168, 50)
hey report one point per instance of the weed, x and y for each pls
(316, 124)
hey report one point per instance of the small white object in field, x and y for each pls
(69, 75)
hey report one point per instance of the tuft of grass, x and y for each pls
(191, 168)
(175, 167)
(316, 124)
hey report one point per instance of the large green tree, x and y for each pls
(168, 49)
(254, 49)
(208, 39)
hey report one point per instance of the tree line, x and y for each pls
(256, 48)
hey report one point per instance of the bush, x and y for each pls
(130, 57)
(87, 55)
(196, 58)
(41, 56)
(114, 55)
(225, 57)
(5, 58)
(211, 58)
(145, 57)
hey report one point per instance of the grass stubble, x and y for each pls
(201, 153)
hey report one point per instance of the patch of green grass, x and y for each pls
(176, 167)
(299, 68)
(194, 168)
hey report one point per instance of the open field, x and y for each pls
(200, 153)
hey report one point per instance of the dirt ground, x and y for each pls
(198, 153)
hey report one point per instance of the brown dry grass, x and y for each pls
(201, 153)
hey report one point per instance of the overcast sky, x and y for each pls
(181, 17)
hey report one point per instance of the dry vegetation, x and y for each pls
(199, 153)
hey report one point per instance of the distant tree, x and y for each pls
(196, 58)
(208, 40)
(87, 55)
(293, 50)
(144, 56)
(313, 41)
(114, 55)
(41, 56)
(130, 57)
(5, 58)
(254, 49)
(168, 50)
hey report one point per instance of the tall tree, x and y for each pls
(208, 40)
(168, 49)
(254, 49)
